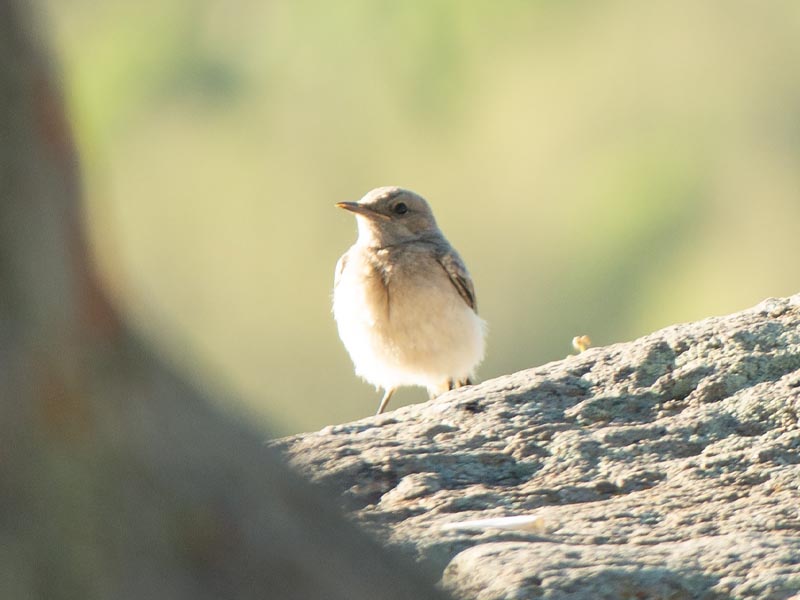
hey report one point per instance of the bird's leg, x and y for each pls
(454, 384)
(386, 396)
(435, 392)
(449, 384)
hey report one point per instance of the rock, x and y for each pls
(667, 467)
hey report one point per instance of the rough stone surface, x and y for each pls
(667, 467)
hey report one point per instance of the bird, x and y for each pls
(403, 300)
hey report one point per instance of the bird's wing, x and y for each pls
(454, 267)
(340, 265)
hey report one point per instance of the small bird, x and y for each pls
(403, 300)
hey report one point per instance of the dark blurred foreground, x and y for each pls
(117, 480)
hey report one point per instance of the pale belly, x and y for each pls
(417, 330)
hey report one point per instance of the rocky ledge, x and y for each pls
(667, 467)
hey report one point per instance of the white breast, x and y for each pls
(417, 330)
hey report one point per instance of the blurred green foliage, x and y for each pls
(604, 168)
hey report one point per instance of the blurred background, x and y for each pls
(603, 168)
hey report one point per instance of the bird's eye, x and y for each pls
(400, 208)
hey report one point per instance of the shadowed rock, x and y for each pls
(117, 478)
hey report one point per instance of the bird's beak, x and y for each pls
(352, 207)
(360, 209)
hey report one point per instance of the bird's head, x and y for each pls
(391, 215)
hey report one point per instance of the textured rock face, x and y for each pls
(668, 467)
